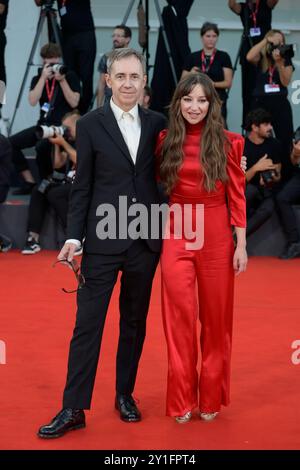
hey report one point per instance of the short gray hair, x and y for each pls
(123, 53)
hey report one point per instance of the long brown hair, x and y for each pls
(213, 140)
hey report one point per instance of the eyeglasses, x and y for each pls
(76, 270)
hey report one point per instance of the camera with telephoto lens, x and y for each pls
(55, 179)
(268, 176)
(285, 50)
(58, 68)
(44, 132)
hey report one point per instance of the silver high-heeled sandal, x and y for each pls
(184, 419)
(208, 416)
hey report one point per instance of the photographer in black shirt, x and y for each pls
(213, 62)
(55, 190)
(3, 17)
(289, 195)
(78, 43)
(264, 167)
(256, 18)
(57, 93)
(274, 69)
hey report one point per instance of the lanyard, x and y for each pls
(204, 67)
(50, 92)
(254, 13)
(271, 73)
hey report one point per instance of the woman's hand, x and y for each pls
(277, 57)
(240, 260)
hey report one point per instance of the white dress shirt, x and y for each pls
(130, 126)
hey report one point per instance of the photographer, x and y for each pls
(3, 17)
(57, 92)
(256, 18)
(56, 189)
(78, 43)
(121, 38)
(5, 172)
(215, 63)
(274, 72)
(289, 195)
(263, 162)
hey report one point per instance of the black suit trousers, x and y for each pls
(138, 265)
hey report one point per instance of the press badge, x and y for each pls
(46, 108)
(255, 32)
(63, 11)
(272, 88)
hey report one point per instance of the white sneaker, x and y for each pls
(31, 247)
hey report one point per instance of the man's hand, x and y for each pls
(244, 163)
(264, 164)
(67, 251)
(47, 72)
(59, 77)
(58, 140)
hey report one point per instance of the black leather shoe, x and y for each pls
(127, 408)
(67, 419)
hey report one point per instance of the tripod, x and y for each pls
(164, 34)
(48, 13)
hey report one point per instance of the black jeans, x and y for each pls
(79, 55)
(26, 139)
(290, 194)
(260, 206)
(56, 196)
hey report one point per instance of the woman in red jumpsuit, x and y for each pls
(199, 165)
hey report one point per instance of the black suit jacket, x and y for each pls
(105, 171)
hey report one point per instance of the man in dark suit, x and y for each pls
(115, 152)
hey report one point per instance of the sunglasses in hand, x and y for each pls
(74, 266)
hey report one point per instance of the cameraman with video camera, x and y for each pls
(57, 91)
(289, 195)
(55, 190)
(78, 43)
(273, 59)
(263, 168)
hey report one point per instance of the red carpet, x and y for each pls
(36, 324)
